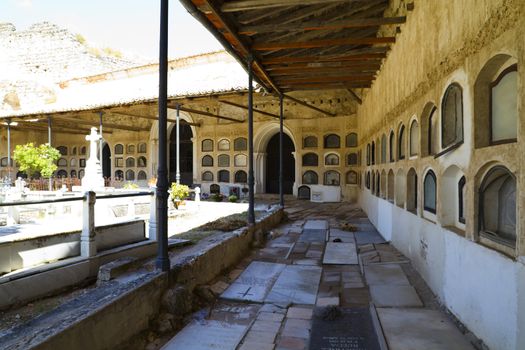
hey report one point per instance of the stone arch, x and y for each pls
(261, 139)
(491, 71)
(429, 130)
(390, 186)
(412, 191)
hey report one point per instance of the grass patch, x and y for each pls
(225, 224)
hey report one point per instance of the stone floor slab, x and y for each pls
(340, 254)
(344, 236)
(313, 235)
(207, 335)
(388, 274)
(316, 225)
(416, 329)
(297, 284)
(395, 296)
(255, 282)
(368, 237)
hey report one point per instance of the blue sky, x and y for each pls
(127, 25)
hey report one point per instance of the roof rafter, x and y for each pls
(248, 5)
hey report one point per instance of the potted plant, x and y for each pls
(178, 194)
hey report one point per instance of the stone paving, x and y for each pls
(327, 280)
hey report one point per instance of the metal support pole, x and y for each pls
(281, 140)
(50, 183)
(101, 141)
(9, 151)
(251, 179)
(163, 261)
(177, 174)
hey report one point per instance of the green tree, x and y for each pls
(36, 159)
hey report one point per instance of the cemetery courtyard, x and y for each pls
(322, 279)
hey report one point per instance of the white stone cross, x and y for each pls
(93, 138)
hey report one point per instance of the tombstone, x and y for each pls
(93, 178)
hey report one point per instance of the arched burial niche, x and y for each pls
(390, 186)
(430, 192)
(401, 188)
(452, 117)
(401, 143)
(351, 140)
(207, 176)
(207, 145)
(142, 176)
(241, 177)
(378, 184)
(383, 184)
(373, 153)
(351, 178)
(223, 176)
(331, 159)
(411, 191)
(332, 141)
(303, 192)
(310, 142)
(391, 145)
(496, 102)
(414, 139)
(429, 135)
(383, 149)
(310, 159)
(186, 154)
(452, 197)
(332, 178)
(207, 161)
(497, 206)
(310, 178)
(240, 144)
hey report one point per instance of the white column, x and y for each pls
(177, 174)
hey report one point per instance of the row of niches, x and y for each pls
(495, 118)
(330, 159)
(130, 162)
(239, 176)
(330, 141)
(239, 144)
(445, 200)
(223, 160)
(330, 178)
(118, 149)
(129, 175)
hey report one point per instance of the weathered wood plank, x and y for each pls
(326, 79)
(247, 5)
(327, 58)
(322, 43)
(321, 25)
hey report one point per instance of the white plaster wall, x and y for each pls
(480, 286)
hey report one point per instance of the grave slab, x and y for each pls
(207, 335)
(415, 329)
(389, 274)
(352, 330)
(345, 236)
(316, 225)
(254, 283)
(297, 284)
(313, 235)
(394, 296)
(340, 254)
(368, 237)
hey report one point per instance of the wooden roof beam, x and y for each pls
(354, 96)
(327, 58)
(321, 25)
(322, 43)
(324, 86)
(208, 114)
(325, 79)
(248, 5)
(325, 70)
(246, 108)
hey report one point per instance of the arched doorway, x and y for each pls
(106, 161)
(272, 165)
(186, 155)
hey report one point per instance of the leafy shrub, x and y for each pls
(233, 198)
(130, 186)
(217, 197)
(178, 193)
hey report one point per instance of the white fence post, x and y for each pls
(152, 231)
(88, 244)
